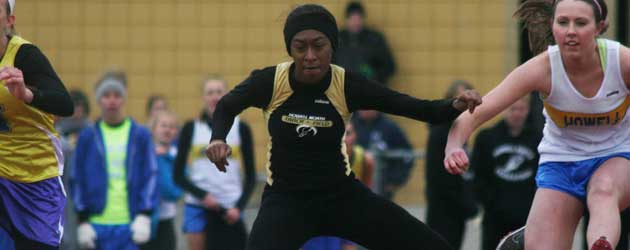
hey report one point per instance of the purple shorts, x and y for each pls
(35, 210)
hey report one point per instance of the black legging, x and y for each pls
(288, 219)
(164, 238)
(223, 236)
(447, 219)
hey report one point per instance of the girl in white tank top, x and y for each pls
(586, 144)
(578, 127)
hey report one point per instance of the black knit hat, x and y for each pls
(355, 7)
(310, 16)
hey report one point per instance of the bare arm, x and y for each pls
(534, 75)
(624, 60)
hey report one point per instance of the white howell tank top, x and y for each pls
(579, 128)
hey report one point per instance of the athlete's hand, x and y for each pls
(14, 82)
(210, 202)
(467, 100)
(217, 152)
(232, 215)
(456, 160)
(141, 229)
(86, 236)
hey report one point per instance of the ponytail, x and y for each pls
(537, 17)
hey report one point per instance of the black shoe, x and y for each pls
(513, 241)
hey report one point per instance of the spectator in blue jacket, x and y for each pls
(164, 130)
(377, 133)
(114, 179)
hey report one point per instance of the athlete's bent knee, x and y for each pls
(601, 189)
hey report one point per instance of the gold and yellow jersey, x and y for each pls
(30, 148)
(306, 121)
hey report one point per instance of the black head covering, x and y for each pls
(310, 16)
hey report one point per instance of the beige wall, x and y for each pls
(166, 46)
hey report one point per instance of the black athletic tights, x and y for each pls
(288, 219)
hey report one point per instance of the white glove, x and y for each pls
(87, 236)
(141, 229)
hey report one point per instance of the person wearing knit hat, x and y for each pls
(111, 84)
(114, 174)
(311, 189)
(110, 93)
(32, 196)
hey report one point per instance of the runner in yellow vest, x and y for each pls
(33, 198)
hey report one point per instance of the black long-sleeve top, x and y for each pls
(49, 93)
(314, 160)
(183, 149)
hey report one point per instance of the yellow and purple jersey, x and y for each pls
(30, 149)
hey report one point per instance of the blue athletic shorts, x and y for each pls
(114, 237)
(571, 177)
(325, 243)
(195, 219)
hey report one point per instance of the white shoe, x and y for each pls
(515, 240)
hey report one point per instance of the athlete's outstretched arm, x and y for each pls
(534, 75)
(362, 93)
(255, 91)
